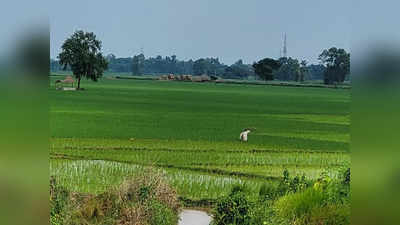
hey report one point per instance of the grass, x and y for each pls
(97, 176)
(190, 131)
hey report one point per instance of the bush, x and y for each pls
(313, 207)
(58, 202)
(293, 206)
(233, 209)
(262, 213)
(286, 185)
(162, 215)
(331, 214)
(292, 201)
(268, 192)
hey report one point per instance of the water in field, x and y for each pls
(194, 217)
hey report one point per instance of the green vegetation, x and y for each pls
(144, 199)
(332, 69)
(82, 54)
(189, 133)
(293, 201)
(337, 62)
(265, 68)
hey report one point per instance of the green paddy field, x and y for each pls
(115, 129)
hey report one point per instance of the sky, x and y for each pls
(227, 29)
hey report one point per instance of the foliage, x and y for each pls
(81, 52)
(330, 214)
(320, 204)
(161, 214)
(292, 70)
(123, 205)
(265, 68)
(138, 64)
(337, 62)
(285, 186)
(238, 70)
(296, 205)
(312, 207)
(58, 202)
(289, 69)
(304, 71)
(233, 209)
(327, 202)
(316, 72)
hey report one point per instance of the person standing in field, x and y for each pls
(243, 135)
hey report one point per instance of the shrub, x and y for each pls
(336, 190)
(331, 214)
(312, 207)
(58, 202)
(233, 209)
(161, 214)
(262, 213)
(147, 187)
(268, 192)
(291, 185)
(293, 206)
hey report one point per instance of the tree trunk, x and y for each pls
(79, 83)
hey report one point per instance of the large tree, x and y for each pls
(265, 68)
(289, 69)
(238, 70)
(138, 64)
(337, 63)
(82, 53)
(303, 70)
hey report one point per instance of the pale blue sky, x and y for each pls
(228, 29)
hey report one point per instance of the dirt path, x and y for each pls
(194, 217)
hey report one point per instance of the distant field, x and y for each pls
(191, 131)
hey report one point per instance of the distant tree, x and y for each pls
(265, 68)
(137, 64)
(337, 63)
(82, 53)
(54, 65)
(110, 58)
(238, 70)
(199, 67)
(303, 70)
(316, 72)
(289, 70)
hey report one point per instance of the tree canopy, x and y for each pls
(82, 54)
(337, 63)
(291, 69)
(265, 68)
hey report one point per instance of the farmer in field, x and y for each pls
(243, 135)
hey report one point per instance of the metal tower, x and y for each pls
(284, 50)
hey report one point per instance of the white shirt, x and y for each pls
(243, 135)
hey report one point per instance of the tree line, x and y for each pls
(334, 64)
(334, 68)
(291, 69)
